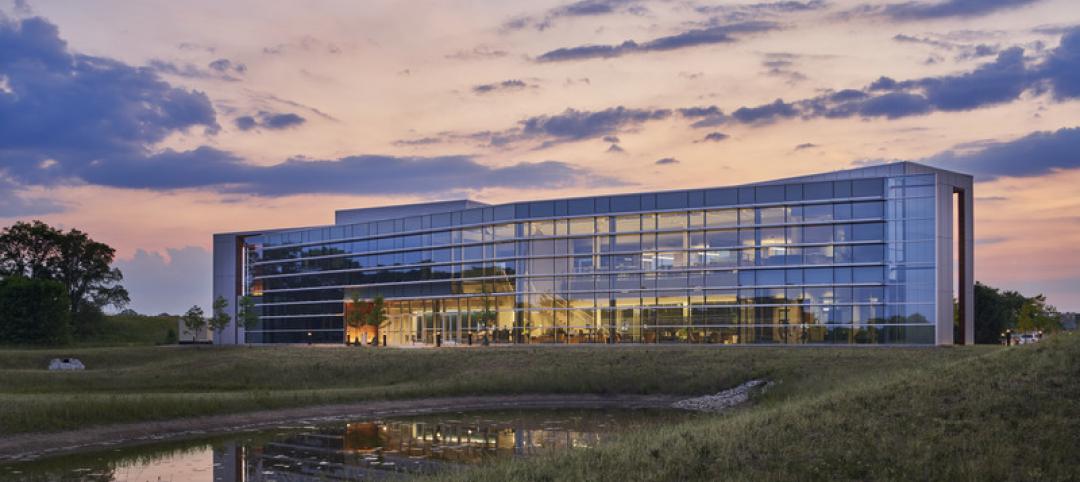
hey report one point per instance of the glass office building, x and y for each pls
(874, 255)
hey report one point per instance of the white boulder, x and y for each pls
(66, 364)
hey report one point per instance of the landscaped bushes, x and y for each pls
(34, 311)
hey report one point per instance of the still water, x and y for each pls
(389, 449)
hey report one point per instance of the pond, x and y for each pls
(393, 448)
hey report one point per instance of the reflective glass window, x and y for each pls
(771, 236)
(842, 275)
(770, 277)
(868, 209)
(747, 257)
(583, 264)
(722, 238)
(817, 213)
(722, 217)
(868, 232)
(747, 237)
(697, 219)
(542, 228)
(868, 253)
(627, 242)
(648, 222)
(697, 239)
(842, 211)
(794, 214)
(504, 250)
(817, 255)
(671, 221)
(817, 234)
(817, 275)
(581, 245)
(746, 216)
(721, 278)
(670, 241)
(774, 215)
(582, 226)
(648, 241)
(841, 233)
(627, 223)
(721, 258)
(868, 274)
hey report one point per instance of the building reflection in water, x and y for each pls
(392, 449)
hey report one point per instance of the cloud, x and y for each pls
(481, 52)
(74, 110)
(1003, 80)
(926, 10)
(1062, 67)
(615, 149)
(1035, 154)
(611, 139)
(422, 141)
(269, 120)
(74, 119)
(226, 66)
(504, 86)
(764, 114)
(781, 65)
(14, 204)
(220, 69)
(703, 116)
(581, 8)
(686, 39)
(168, 285)
(733, 13)
(569, 126)
(714, 137)
(667, 161)
(306, 44)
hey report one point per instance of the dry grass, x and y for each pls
(155, 383)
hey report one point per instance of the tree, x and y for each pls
(247, 313)
(995, 312)
(376, 316)
(1036, 315)
(33, 311)
(355, 318)
(194, 320)
(83, 266)
(219, 318)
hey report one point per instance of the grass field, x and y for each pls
(129, 384)
(1007, 414)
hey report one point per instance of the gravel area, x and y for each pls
(724, 400)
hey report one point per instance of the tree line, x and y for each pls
(54, 285)
(998, 310)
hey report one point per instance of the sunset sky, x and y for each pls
(152, 125)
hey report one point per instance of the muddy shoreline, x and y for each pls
(32, 446)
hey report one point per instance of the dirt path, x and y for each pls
(35, 445)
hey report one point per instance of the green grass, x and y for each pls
(131, 384)
(127, 330)
(1006, 414)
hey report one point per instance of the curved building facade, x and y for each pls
(874, 255)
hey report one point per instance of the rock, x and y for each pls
(724, 400)
(65, 364)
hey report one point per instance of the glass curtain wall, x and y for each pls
(825, 262)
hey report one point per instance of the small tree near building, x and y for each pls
(247, 313)
(376, 317)
(356, 317)
(194, 320)
(220, 319)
